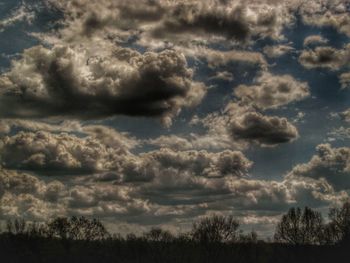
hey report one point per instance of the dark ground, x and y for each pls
(17, 248)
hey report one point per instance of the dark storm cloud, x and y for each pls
(65, 81)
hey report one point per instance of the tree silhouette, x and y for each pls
(300, 227)
(338, 228)
(16, 227)
(216, 229)
(77, 229)
(159, 235)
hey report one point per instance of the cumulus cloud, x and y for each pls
(24, 195)
(105, 150)
(57, 152)
(325, 57)
(201, 163)
(242, 119)
(330, 163)
(265, 130)
(270, 91)
(176, 22)
(66, 81)
(172, 192)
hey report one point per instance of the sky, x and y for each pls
(156, 113)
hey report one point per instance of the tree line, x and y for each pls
(297, 227)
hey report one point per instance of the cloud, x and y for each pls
(345, 115)
(159, 23)
(242, 120)
(199, 18)
(340, 133)
(222, 75)
(59, 152)
(314, 40)
(198, 163)
(344, 80)
(217, 58)
(261, 129)
(4, 128)
(327, 13)
(270, 91)
(24, 195)
(325, 57)
(171, 192)
(277, 50)
(330, 163)
(209, 141)
(20, 14)
(65, 81)
(105, 150)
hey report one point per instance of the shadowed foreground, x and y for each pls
(301, 236)
(24, 249)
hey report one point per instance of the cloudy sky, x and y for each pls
(157, 112)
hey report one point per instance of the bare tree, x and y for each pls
(216, 229)
(251, 238)
(339, 225)
(159, 235)
(77, 229)
(16, 227)
(300, 227)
